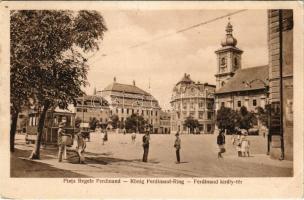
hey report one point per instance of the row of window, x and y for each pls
(133, 111)
(192, 114)
(89, 110)
(193, 105)
(239, 103)
(151, 121)
(201, 128)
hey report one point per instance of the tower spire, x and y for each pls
(229, 39)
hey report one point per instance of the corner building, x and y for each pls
(195, 100)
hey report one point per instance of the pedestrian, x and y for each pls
(221, 143)
(146, 143)
(133, 136)
(245, 144)
(105, 137)
(80, 145)
(177, 145)
(237, 143)
(61, 144)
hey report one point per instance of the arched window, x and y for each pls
(235, 61)
(223, 61)
(223, 83)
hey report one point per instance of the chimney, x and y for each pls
(134, 82)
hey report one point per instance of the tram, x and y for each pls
(51, 124)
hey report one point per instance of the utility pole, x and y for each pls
(281, 83)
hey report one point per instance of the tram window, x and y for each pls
(55, 121)
(35, 119)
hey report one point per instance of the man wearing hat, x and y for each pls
(177, 145)
(146, 143)
(62, 148)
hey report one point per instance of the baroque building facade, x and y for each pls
(237, 87)
(125, 100)
(196, 100)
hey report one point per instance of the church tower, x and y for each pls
(228, 58)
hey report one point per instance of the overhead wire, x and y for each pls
(171, 34)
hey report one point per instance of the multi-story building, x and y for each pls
(125, 100)
(196, 100)
(237, 87)
(92, 106)
(165, 122)
(280, 47)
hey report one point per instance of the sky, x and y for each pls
(163, 62)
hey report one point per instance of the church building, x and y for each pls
(237, 86)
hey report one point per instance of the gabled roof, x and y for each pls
(238, 81)
(118, 87)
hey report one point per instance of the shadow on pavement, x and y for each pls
(105, 160)
(22, 167)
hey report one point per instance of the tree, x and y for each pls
(263, 115)
(226, 119)
(20, 90)
(114, 121)
(246, 119)
(191, 123)
(93, 123)
(49, 45)
(136, 122)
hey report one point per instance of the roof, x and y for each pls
(238, 81)
(118, 87)
(186, 79)
(92, 100)
(225, 48)
(91, 97)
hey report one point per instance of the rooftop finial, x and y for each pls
(134, 82)
(229, 28)
(229, 40)
(114, 79)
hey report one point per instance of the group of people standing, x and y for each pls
(240, 141)
(242, 144)
(76, 142)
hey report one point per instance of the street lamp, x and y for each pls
(138, 105)
(207, 94)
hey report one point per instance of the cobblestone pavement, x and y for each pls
(119, 157)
